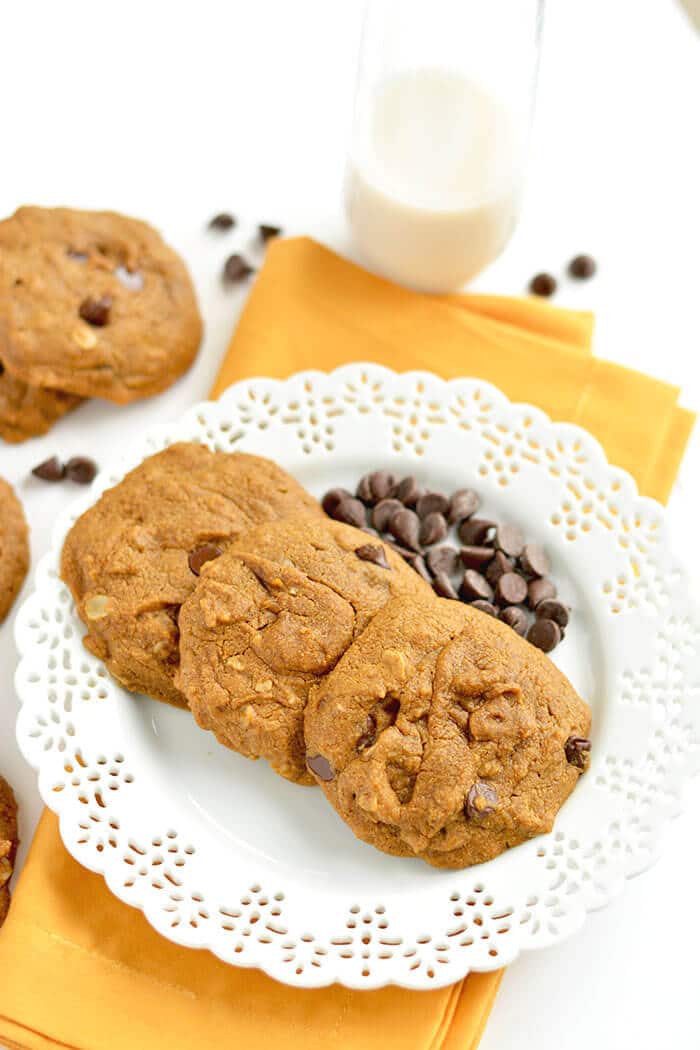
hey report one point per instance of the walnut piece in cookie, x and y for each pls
(14, 547)
(8, 844)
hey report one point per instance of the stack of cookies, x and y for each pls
(213, 581)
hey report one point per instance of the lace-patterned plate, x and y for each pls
(220, 853)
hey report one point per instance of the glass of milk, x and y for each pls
(442, 117)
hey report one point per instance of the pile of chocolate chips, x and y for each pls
(495, 570)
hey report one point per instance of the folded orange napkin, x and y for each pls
(79, 969)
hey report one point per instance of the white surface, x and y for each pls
(174, 111)
(106, 761)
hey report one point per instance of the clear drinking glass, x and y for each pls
(443, 109)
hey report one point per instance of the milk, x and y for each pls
(433, 179)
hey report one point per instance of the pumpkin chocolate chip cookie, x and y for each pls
(8, 844)
(28, 411)
(94, 304)
(14, 547)
(271, 617)
(442, 734)
(134, 557)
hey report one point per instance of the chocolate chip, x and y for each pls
(553, 610)
(463, 504)
(475, 557)
(474, 585)
(382, 483)
(404, 552)
(320, 765)
(236, 268)
(433, 528)
(409, 491)
(543, 284)
(582, 267)
(578, 751)
(515, 618)
(497, 566)
(481, 801)
(351, 511)
(443, 560)
(431, 503)
(383, 512)
(442, 586)
(50, 470)
(364, 490)
(223, 221)
(96, 311)
(418, 563)
(485, 607)
(538, 591)
(475, 531)
(201, 555)
(81, 469)
(510, 540)
(544, 634)
(511, 589)
(369, 735)
(332, 498)
(373, 553)
(405, 525)
(534, 561)
(267, 232)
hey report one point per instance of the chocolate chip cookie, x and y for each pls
(94, 304)
(8, 844)
(133, 558)
(14, 547)
(442, 734)
(270, 618)
(28, 411)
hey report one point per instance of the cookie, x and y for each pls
(14, 547)
(268, 619)
(444, 735)
(8, 844)
(28, 411)
(133, 557)
(94, 304)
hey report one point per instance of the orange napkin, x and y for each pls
(79, 969)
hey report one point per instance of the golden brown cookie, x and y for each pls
(14, 547)
(28, 411)
(132, 558)
(8, 844)
(444, 735)
(94, 304)
(271, 617)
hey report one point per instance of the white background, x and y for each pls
(174, 111)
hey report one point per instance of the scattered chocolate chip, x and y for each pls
(481, 801)
(351, 511)
(332, 498)
(431, 503)
(511, 589)
(223, 221)
(497, 566)
(364, 490)
(50, 470)
(578, 751)
(433, 528)
(374, 553)
(369, 736)
(549, 609)
(443, 560)
(405, 525)
(534, 561)
(475, 531)
(510, 540)
(515, 618)
(543, 284)
(409, 491)
(538, 591)
(474, 585)
(201, 555)
(485, 607)
(463, 504)
(267, 232)
(236, 268)
(544, 634)
(475, 557)
(417, 562)
(382, 484)
(383, 512)
(582, 267)
(81, 469)
(320, 765)
(403, 551)
(96, 311)
(442, 586)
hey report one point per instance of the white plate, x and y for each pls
(222, 854)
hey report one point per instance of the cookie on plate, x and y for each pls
(271, 617)
(94, 304)
(28, 411)
(14, 547)
(442, 734)
(134, 556)
(8, 844)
